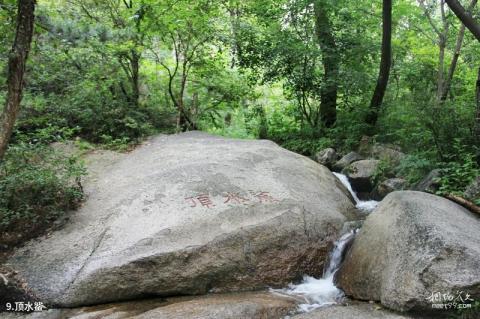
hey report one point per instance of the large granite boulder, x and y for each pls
(412, 249)
(361, 174)
(190, 214)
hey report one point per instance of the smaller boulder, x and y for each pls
(388, 186)
(360, 175)
(391, 154)
(430, 183)
(347, 160)
(326, 157)
(473, 190)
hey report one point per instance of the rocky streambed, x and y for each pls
(217, 219)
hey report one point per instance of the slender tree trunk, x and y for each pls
(477, 115)
(442, 44)
(466, 18)
(135, 66)
(234, 12)
(328, 94)
(263, 125)
(456, 55)
(385, 63)
(16, 69)
(453, 65)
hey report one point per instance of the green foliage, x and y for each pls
(414, 167)
(384, 170)
(37, 186)
(303, 144)
(459, 171)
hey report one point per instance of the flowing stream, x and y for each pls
(323, 292)
(365, 206)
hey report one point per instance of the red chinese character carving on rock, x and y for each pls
(264, 197)
(203, 199)
(234, 198)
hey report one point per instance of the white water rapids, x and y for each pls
(365, 206)
(323, 292)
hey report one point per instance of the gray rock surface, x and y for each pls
(356, 311)
(429, 183)
(360, 174)
(347, 160)
(412, 246)
(387, 153)
(390, 185)
(326, 157)
(189, 214)
(473, 190)
(250, 305)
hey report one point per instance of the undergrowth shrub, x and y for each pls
(37, 187)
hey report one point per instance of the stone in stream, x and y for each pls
(360, 174)
(387, 186)
(190, 214)
(413, 247)
(347, 160)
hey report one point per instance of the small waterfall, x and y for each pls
(365, 206)
(336, 256)
(323, 292)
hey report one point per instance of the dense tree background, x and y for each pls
(299, 72)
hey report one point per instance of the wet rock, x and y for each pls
(188, 214)
(429, 183)
(347, 160)
(412, 246)
(249, 305)
(387, 186)
(326, 157)
(360, 174)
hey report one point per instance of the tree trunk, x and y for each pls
(135, 65)
(442, 44)
(453, 65)
(16, 69)
(477, 113)
(328, 94)
(466, 18)
(385, 63)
